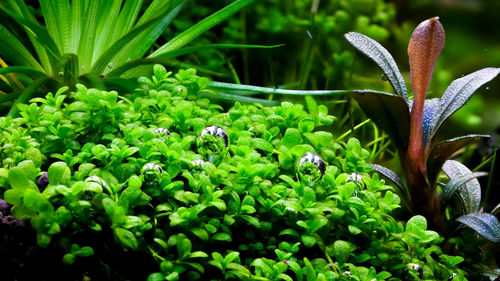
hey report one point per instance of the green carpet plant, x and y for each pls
(162, 184)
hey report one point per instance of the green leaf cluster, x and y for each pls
(247, 217)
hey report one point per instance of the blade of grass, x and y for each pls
(138, 45)
(127, 18)
(40, 34)
(57, 15)
(105, 26)
(123, 49)
(78, 8)
(14, 50)
(231, 98)
(87, 39)
(156, 7)
(188, 50)
(20, 7)
(202, 26)
(169, 55)
(22, 69)
(248, 89)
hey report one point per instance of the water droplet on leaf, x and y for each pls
(212, 143)
(311, 168)
(110, 65)
(151, 173)
(180, 91)
(414, 271)
(198, 164)
(162, 134)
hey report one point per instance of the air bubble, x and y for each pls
(162, 134)
(384, 78)
(414, 271)
(311, 168)
(212, 144)
(151, 173)
(110, 65)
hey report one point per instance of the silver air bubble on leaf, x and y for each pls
(162, 134)
(311, 168)
(414, 271)
(198, 164)
(357, 179)
(212, 144)
(151, 173)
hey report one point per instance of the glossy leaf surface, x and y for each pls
(382, 58)
(444, 150)
(485, 224)
(459, 92)
(464, 182)
(389, 112)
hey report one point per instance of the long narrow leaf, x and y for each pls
(382, 58)
(78, 8)
(40, 34)
(188, 50)
(238, 89)
(444, 150)
(485, 224)
(202, 26)
(389, 112)
(127, 17)
(106, 26)
(156, 7)
(57, 15)
(459, 92)
(13, 49)
(138, 45)
(22, 69)
(231, 98)
(23, 10)
(469, 190)
(88, 37)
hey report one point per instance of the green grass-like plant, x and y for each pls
(91, 42)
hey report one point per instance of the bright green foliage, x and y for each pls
(247, 217)
(90, 42)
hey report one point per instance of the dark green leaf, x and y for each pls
(459, 92)
(127, 238)
(444, 150)
(382, 58)
(389, 112)
(485, 224)
(465, 181)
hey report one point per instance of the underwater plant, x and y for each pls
(413, 124)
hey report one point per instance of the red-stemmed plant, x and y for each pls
(413, 124)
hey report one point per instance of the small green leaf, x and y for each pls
(19, 180)
(308, 240)
(127, 238)
(59, 173)
(354, 230)
(222, 237)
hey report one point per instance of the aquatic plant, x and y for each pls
(413, 125)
